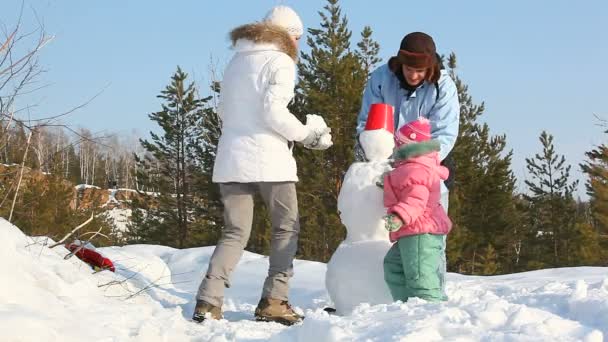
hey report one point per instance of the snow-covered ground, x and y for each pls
(150, 298)
(120, 219)
(86, 186)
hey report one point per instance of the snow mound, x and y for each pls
(44, 297)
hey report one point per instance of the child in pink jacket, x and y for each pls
(418, 224)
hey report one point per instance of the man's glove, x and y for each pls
(450, 163)
(392, 222)
(380, 179)
(359, 152)
(313, 140)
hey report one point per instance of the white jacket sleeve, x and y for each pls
(278, 94)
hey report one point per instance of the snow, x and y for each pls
(86, 186)
(378, 144)
(46, 298)
(317, 122)
(150, 193)
(111, 198)
(120, 219)
(350, 286)
(360, 202)
(361, 208)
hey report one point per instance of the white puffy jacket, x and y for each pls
(257, 127)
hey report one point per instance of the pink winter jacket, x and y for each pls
(412, 192)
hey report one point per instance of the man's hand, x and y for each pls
(392, 222)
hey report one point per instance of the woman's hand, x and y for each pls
(314, 139)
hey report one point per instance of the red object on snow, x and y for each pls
(90, 256)
(380, 116)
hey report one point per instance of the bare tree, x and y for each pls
(19, 68)
(24, 140)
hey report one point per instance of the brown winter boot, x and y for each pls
(276, 310)
(205, 310)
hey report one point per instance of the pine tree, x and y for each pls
(46, 207)
(482, 206)
(170, 168)
(331, 80)
(72, 168)
(596, 168)
(368, 50)
(487, 263)
(210, 208)
(597, 185)
(552, 204)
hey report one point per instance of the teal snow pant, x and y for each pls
(415, 267)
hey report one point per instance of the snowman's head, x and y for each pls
(377, 144)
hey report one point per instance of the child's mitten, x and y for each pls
(392, 222)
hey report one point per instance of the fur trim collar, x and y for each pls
(413, 150)
(263, 32)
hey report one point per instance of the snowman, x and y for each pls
(355, 271)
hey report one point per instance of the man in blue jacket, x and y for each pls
(414, 83)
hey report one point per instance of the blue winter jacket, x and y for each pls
(443, 111)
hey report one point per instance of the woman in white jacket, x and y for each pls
(254, 155)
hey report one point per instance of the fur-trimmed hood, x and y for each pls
(425, 152)
(415, 149)
(265, 33)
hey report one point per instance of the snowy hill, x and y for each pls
(150, 298)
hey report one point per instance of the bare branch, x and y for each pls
(8, 40)
(26, 93)
(72, 253)
(38, 243)
(7, 194)
(154, 285)
(603, 122)
(117, 282)
(60, 242)
(50, 119)
(95, 234)
(4, 130)
(28, 56)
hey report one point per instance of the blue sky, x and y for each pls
(538, 65)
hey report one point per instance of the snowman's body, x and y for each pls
(355, 272)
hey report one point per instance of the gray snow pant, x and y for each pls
(281, 200)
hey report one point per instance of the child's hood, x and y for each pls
(425, 152)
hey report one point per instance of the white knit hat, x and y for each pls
(287, 18)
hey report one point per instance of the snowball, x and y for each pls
(315, 121)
